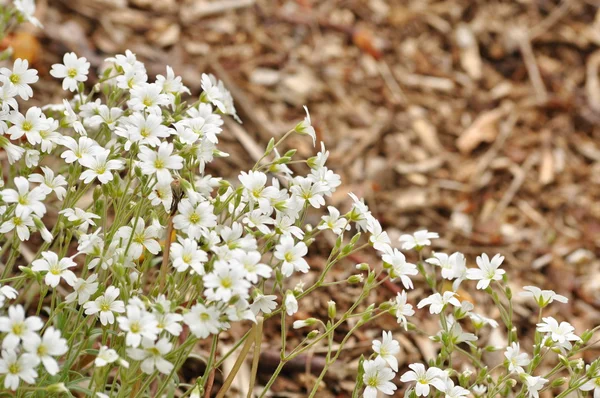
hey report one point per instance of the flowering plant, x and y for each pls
(142, 254)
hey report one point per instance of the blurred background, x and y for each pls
(474, 119)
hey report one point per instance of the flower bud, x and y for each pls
(331, 310)
(354, 279)
(558, 382)
(363, 267)
(312, 334)
(304, 323)
(57, 388)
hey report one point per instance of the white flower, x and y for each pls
(27, 9)
(50, 345)
(379, 238)
(147, 96)
(194, 217)
(334, 222)
(255, 190)
(445, 262)
(86, 219)
(21, 223)
(7, 292)
(13, 152)
(141, 238)
(105, 356)
(487, 272)
(99, 167)
(424, 378)
(437, 302)
(265, 304)
(560, 333)
(399, 268)
(106, 115)
(543, 297)
(387, 349)
(85, 148)
(534, 384)
(377, 377)
(452, 391)
(138, 324)
(73, 70)
(202, 320)
(29, 125)
(185, 254)
(225, 282)
(171, 84)
(17, 368)
(309, 191)
(305, 127)
(216, 93)
(252, 265)
(592, 384)
(152, 355)
(32, 158)
(162, 194)
(18, 328)
(292, 255)
(402, 309)
(144, 129)
(55, 269)
(49, 183)
(290, 303)
(71, 118)
(83, 289)
(160, 162)
(20, 77)
(417, 240)
(106, 304)
(516, 359)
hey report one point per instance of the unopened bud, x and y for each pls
(312, 334)
(363, 267)
(57, 388)
(558, 382)
(331, 310)
(354, 279)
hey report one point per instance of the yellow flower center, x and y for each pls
(27, 125)
(194, 218)
(14, 368)
(14, 78)
(72, 73)
(135, 327)
(159, 164)
(18, 329)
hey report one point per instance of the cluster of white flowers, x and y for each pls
(141, 253)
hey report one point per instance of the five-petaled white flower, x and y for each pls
(487, 272)
(73, 70)
(55, 269)
(534, 384)
(437, 302)
(543, 297)
(377, 377)
(305, 127)
(516, 358)
(20, 77)
(17, 368)
(50, 345)
(152, 355)
(291, 255)
(18, 327)
(99, 167)
(417, 240)
(160, 162)
(387, 349)
(424, 378)
(106, 304)
(138, 324)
